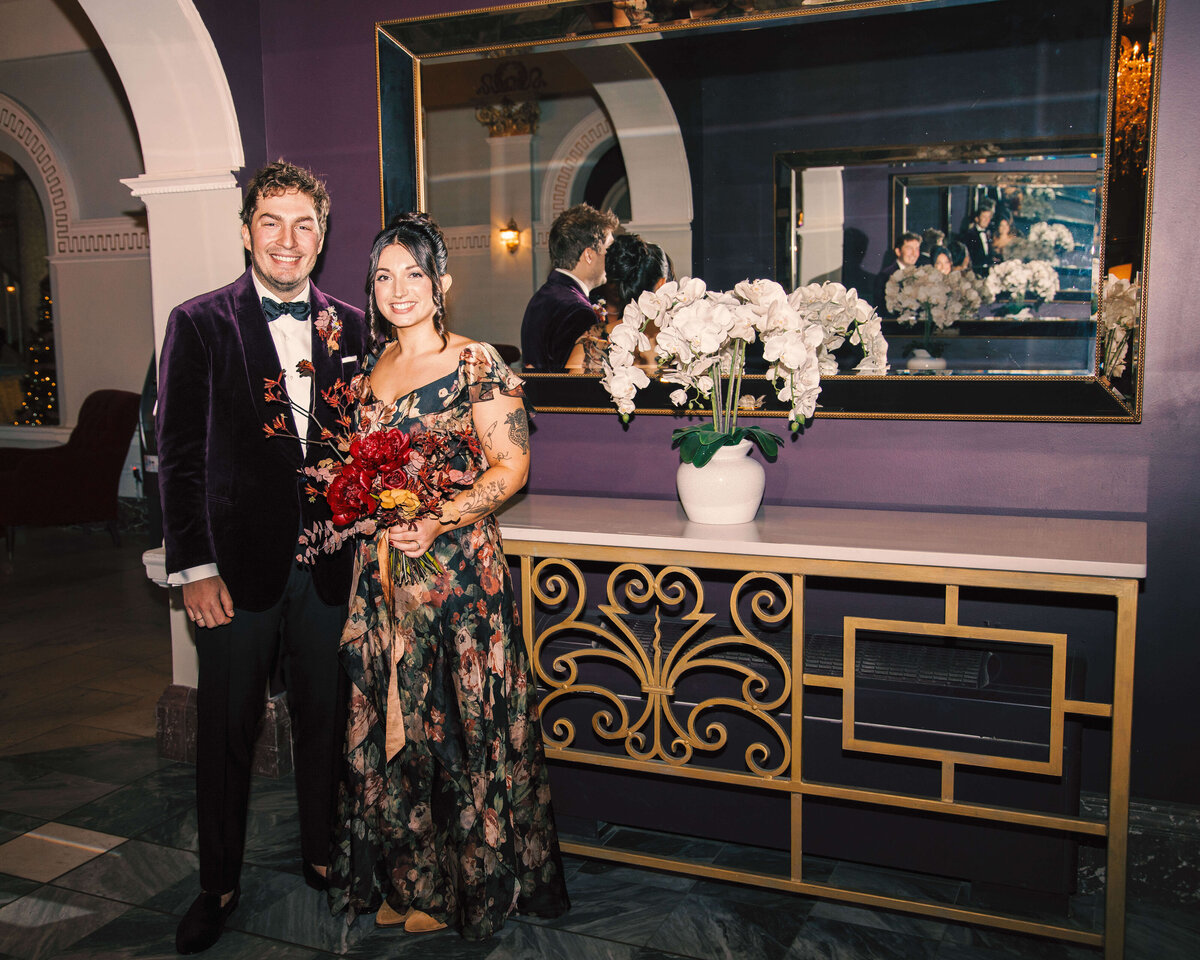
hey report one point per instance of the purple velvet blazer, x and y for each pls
(557, 316)
(230, 495)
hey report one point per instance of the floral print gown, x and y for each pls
(458, 824)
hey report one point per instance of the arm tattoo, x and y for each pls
(482, 499)
(518, 429)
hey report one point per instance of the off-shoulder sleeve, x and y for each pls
(482, 372)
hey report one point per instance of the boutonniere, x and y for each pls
(329, 328)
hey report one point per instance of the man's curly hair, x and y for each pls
(280, 177)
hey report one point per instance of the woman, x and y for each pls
(1003, 237)
(444, 811)
(941, 259)
(632, 266)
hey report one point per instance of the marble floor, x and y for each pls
(97, 833)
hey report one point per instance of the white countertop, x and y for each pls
(1097, 548)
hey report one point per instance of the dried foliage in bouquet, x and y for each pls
(378, 480)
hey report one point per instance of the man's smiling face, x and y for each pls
(284, 238)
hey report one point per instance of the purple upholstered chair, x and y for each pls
(76, 482)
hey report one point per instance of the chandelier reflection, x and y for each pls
(1131, 136)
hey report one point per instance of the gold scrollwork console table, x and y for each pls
(642, 555)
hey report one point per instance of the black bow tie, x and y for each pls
(274, 309)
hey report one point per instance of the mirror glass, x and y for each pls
(1042, 215)
(799, 141)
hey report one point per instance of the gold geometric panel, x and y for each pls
(648, 720)
(1057, 643)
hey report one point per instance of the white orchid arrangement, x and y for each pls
(1035, 280)
(1055, 237)
(1118, 319)
(701, 349)
(1044, 242)
(937, 300)
(845, 318)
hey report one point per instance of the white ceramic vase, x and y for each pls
(922, 360)
(727, 489)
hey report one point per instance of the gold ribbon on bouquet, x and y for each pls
(394, 738)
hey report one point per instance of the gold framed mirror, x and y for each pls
(688, 118)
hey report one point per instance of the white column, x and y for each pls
(195, 247)
(820, 238)
(511, 198)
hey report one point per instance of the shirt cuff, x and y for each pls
(192, 574)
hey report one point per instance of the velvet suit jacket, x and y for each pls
(230, 495)
(557, 315)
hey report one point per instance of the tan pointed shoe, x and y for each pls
(420, 922)
(387, 917)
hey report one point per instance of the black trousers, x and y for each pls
(235, 664)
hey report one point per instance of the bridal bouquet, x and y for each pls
(376, 481)
(1118, 319)
(701, 348)
(1036, 280)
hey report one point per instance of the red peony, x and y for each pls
(349, 495)
(382, 450)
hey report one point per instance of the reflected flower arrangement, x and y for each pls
(1033, 280)
(1118, 319)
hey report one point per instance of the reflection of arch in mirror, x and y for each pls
(607, 186)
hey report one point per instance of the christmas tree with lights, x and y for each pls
(40, 407)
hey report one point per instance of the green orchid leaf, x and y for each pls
(767, 442)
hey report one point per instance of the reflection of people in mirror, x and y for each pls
(930, 237)
(976, 238)
(560, 312)
(940, 258)
(1003, 235)
(633, 266)
(960, 258)
(908, 252)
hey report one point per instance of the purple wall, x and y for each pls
(318, 85)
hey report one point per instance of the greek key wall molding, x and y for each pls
(71, 239)
(590, 137)
(468, 241)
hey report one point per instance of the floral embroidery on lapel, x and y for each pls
(329, 328)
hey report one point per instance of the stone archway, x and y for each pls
(191, 143)
(191, 149)
(78, 250)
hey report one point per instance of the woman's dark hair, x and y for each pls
(937, 251)
(420, 235)
(632, 266)
(959, 255)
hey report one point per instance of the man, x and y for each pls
(908, 253)
(976, 239)
(233, 507)
(560, 312)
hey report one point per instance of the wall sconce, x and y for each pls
(510, 235)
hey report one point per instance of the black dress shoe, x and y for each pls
(201, 926)
(312, 878)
